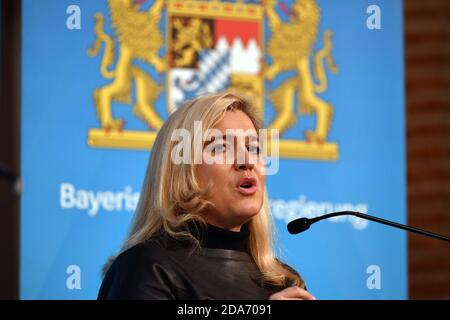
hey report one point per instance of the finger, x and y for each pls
(297, 292)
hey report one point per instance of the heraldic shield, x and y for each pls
(194, 48)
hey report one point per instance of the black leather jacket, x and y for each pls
(165, 268)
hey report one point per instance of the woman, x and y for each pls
(202, 229)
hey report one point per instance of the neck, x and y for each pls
(227, 225)
(232, 228)
(211, 236)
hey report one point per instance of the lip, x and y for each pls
(246, 191)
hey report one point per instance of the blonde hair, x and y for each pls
(171, 196)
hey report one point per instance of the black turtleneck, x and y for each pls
(217, 238)
(165, 268)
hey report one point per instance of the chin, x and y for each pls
(249, 210)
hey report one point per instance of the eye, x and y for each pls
(219, 148)
(253, 149)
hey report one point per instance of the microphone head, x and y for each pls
(298, 225)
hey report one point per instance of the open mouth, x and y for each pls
(246, 186)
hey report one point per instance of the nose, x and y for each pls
(246, 164)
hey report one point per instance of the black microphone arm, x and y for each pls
(303, 224)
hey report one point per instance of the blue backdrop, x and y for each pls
(79, 195)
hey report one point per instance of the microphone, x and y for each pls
(303, 224)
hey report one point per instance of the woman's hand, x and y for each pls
(292, 293)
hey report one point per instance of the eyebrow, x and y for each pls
(225, 136)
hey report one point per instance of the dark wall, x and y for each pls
(9, 148)
(427, 39)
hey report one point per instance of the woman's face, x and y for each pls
(238, 185)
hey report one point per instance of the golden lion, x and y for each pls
(140, 38)
(290, 47)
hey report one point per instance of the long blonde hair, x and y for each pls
(171, 196)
